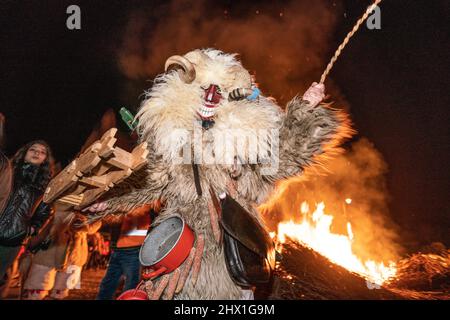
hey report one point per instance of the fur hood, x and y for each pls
(168, 121)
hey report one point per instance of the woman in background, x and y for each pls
(24, 213)
(5, 168)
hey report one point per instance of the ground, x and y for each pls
(304, 274)
(90, 281)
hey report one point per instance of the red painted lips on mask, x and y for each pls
(212, 98)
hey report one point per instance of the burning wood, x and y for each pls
(320, 264)
(314, 232)
(305, 274)
(425, 272)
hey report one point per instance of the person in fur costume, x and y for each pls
(56, 269)
(203, 96)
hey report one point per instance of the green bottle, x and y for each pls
(128, 118)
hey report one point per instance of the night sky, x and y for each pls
(55, 84)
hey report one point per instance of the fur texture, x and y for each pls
(305, 135)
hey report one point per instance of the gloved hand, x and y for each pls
(96, 207)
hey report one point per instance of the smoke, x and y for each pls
(359, 175)
(285, 44)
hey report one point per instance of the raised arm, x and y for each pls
(309, 131)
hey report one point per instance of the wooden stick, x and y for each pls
(160, 288)
(149, 288)
(73, 197)
(170, 291)
(74, 202)
(185, 272)
(214, 221)
(198, 258)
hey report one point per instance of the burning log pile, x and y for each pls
(424, 272)
(305, 274)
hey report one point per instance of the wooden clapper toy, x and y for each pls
(94, 172)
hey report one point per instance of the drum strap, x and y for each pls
(198, 186)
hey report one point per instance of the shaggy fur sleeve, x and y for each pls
(307, 135)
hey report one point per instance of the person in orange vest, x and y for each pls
(126, 241)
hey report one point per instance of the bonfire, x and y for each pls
(319, 264)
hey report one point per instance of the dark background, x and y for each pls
(55, 84)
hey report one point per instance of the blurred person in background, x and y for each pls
(56, 268)
(127, 236)
(5, 168)
(96, 251)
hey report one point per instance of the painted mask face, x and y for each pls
(211, 100)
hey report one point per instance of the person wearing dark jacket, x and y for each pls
(5, 180)
(5, 168)
(24, 212)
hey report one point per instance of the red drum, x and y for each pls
(133, 294)
(166, 247)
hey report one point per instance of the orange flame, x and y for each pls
(314, 232)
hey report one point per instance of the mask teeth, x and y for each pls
(206, 112)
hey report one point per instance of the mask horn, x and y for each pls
(239, 93)
(183, 66)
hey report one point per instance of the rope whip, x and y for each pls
(346, 40)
